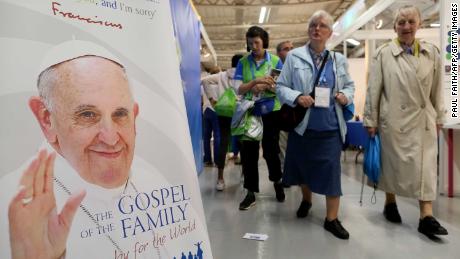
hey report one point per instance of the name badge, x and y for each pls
(322, 97)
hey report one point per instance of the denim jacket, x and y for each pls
(297, 77)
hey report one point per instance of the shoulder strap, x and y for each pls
(336, 87)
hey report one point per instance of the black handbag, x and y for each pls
(290, 117)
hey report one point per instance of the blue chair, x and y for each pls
(356, 136)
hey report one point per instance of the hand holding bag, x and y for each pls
(290, 117)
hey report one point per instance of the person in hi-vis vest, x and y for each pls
(253, 79)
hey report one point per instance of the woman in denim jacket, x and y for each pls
(314, 147)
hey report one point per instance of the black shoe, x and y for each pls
(391, 213)
(208, 164)
(302, 212)
(279, 190)
(430, 226)
(336, 228)
(248, 202)
(285, 186)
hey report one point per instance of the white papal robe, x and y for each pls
(113, 223)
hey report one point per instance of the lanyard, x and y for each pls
(322, 76)
(317, 76)
(252, 62)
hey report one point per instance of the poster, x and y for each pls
(115, 119)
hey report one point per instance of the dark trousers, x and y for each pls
(210, 128)
(271, 150)
(224, 126)
(235, 145)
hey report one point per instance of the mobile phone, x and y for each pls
(275, 72)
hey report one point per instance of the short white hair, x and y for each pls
(45, 84)
(51, 77)
(321, 14)
(407, 9)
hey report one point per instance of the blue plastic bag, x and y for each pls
(263, 106)
(371, 165)
(348, 111)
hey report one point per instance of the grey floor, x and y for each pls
(289, 237)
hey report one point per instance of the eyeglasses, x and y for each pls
(287, 48)
(321, 26)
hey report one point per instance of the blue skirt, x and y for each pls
(314, 160)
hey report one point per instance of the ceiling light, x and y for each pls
(379, 24)
(263, 11)
(268, 14)
(353, 42)
(435, 25)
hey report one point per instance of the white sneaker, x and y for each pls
(220, 186)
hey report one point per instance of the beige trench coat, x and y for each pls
(405, 101)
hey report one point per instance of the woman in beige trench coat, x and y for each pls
(404, 103)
